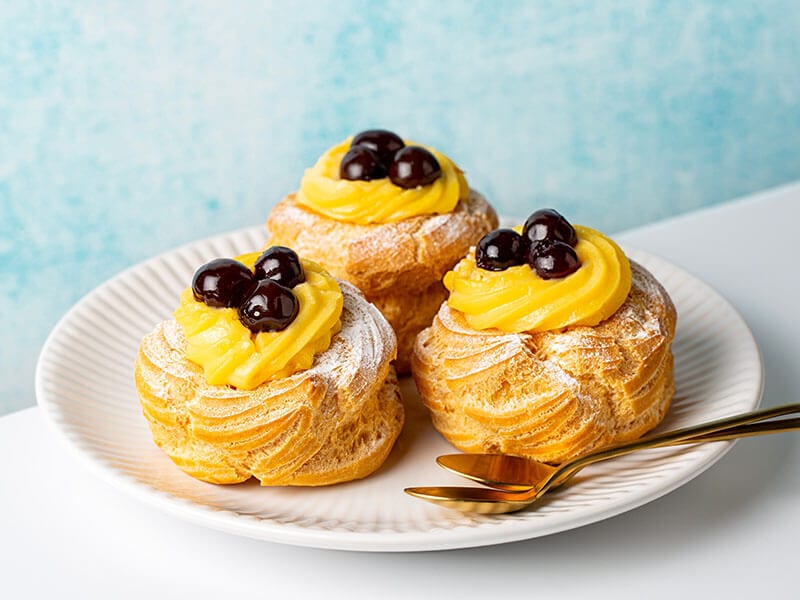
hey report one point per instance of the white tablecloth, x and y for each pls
(733, 532)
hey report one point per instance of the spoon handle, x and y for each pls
(722, 429)
(746, 430)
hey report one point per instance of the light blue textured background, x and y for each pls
(127, 128)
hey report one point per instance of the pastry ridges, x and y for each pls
(551, 395)
(333, 422)
(412, 253)
(398, 266)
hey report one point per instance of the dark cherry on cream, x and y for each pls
(548, 224)
(414, 166)
(376, 153)
(263, 298)
(268, 307)
(500, 249)
(281, 264)
(384, 143)
(222, 283)
(361, 163)
(552, 259)
(547, 244)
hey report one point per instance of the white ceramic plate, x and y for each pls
(84, 384)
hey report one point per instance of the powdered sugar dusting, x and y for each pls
(331, 242)
(453, 228)
(640, 321)
(550, 394)
(365, 343)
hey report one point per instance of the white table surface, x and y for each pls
(733, 532)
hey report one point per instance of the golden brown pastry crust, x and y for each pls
(551, 395)
(398, 266)
(334, 422)
(409, 314)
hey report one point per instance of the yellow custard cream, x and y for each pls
(231, 354)
(379, 200)
(518, 300)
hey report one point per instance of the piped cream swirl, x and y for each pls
(230, 354)
(379, 200)
(518, 300)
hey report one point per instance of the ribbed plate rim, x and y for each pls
(485, 530)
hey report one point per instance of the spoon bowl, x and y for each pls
(499, 471)
(486, 501)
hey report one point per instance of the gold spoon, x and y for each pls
(497, 500)
(533, 479)
(516, 473)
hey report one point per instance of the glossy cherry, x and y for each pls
(548, 224)
(414, 166)
(268, 307)
(222, 283)
(552, 259)
(361, 164)
(500, 249)
(384, 143)
(281, 264)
